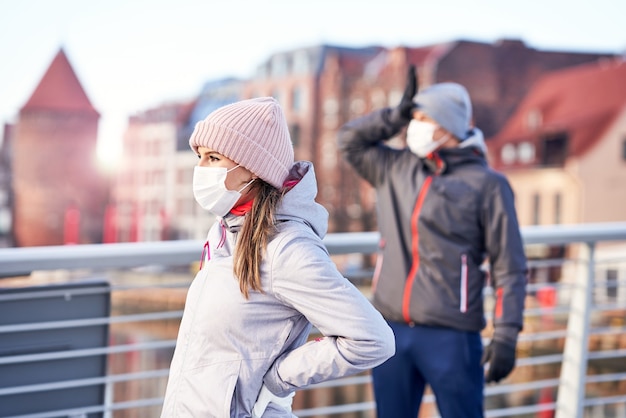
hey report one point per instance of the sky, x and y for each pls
(133, 55)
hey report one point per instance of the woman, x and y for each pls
(266, 276)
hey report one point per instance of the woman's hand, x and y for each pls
(265, 397)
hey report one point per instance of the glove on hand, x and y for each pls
(402, 114)
(265, 397)
(501, 359)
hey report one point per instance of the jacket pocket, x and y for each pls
(209, 390)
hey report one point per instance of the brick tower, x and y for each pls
(59, 192)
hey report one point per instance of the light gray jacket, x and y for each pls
(228, 346)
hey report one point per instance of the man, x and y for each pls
(441, 213)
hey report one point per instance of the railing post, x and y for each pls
(571, 394)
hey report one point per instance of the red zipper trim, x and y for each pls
(406, 298)
(498, 309)
(223, 238)
(206, 254)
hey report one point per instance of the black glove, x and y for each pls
(501, 358)
(403, 113)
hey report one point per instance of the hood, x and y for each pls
(473, 150)
(476, 139)
(299, 204)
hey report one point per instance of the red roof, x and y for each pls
(582, 101)
(60, 89)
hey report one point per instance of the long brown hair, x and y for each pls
(257, 230)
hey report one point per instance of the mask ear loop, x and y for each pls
(246, 185)
(439, 143)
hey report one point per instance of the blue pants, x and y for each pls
(448, 360)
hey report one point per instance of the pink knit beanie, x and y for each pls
(252, 133)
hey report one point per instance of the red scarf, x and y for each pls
(243, 208)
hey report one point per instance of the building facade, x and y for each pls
(153, 191)
(319, 87)
(59, 193)
(325, 86)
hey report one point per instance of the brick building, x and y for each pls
(310, 84)
(59, 194)
(146, 189)
(323, 87)
(496, 75)
(320, 88)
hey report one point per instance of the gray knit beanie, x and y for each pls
(449, 105)
(253, 133)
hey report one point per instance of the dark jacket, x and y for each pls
(437, 228)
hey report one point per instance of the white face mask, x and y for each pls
(419, 138)
(209, 189)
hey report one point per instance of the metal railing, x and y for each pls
(569, 354)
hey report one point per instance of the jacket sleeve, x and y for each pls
(507, 259)
(362, 144)
(355, 335)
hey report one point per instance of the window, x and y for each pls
(554, 150)
(276, 95)
(330, 110)
(301, 62)
(508, 154)
(184, 207)
(394, 97)
(296, 99)
(535, 209)
(533, 119)
(357, 106)
(184, 175)
(329, 155)
(378, 98)
(526, 152)
(279, 66)
(331, 106)
(294, 131)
